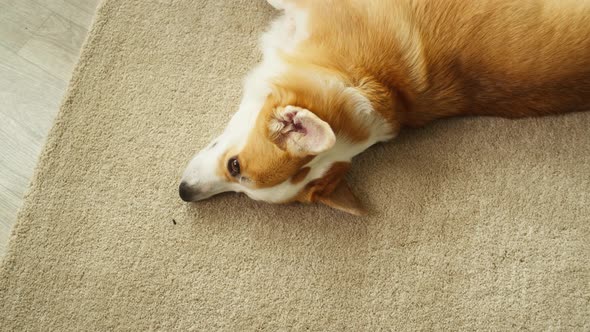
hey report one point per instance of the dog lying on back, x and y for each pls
(338, 76)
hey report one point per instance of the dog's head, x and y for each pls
(294, 144)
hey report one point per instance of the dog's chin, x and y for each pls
(206, 197)
(198, 198)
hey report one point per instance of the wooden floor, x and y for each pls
(40, 41)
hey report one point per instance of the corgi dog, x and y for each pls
(338, 76)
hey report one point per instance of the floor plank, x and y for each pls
(30, 99)
(87, 5)
(30, 95)
(56, 46)
(19, 20)
(69, 11)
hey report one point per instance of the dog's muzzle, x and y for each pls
(187, 193)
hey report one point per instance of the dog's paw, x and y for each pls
(278, 4)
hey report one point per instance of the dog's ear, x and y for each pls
(342, 198)
(300, 132)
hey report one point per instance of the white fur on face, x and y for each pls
(203, 173)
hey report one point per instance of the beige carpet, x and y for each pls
(474, 223)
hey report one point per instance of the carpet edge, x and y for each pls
(56, 131)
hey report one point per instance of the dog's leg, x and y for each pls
(278, 4)
(285, 4)
(289, 29)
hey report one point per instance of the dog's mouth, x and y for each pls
(191, 194)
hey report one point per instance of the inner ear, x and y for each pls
(300, 132)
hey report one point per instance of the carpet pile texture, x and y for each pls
(476, 223)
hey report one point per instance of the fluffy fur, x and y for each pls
(338, 76)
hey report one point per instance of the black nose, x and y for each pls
(185, 191)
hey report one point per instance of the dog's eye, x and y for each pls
(233, 166)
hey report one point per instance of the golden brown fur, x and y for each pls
(429, 59)
(417, 61)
